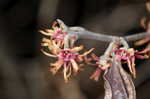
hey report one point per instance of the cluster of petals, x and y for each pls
(101, 64)
(69, 60)
(128, 56)
(56, 34)
(121, 54)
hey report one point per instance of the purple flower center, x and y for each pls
(67, 55)
(59, 35)
(122, 54)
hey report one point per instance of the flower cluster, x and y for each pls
(128, 56)
(56, 34)
(59, 44)
(69, 60)
(124, 55)
(102, 63)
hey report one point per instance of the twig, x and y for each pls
(85, 34)
(136, 37)
(108, 38)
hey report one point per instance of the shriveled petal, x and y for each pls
(44, 44)
(56, 66)
(96, 58)
(45, 33)
(146, 50)
(75, 66)
(77, 49)
(142, 56)
(46, 40)
(69, 71)
(55, 28)
(48, 54)
(49, 30)
(96, 74)
(53, 48)
(133, 66)
(129, 65)
(59, 62)
(60, 44)
(56, 46)
(65, 74)
(80, 58)
(105, 67)
(87, 60)
(87, 52)
(143, 41)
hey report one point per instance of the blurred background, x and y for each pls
(24, 69)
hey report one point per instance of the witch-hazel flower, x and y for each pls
(102, 63)
(69, 61)
(57, 33)
(128, 56)
(60, 45)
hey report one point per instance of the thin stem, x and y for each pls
(110, 48)
(108, 38)
(85, 34)
(93, 36)
(66, 42)
(136, 37)
(124, 43)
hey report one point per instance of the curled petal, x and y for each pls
(55, 46)
(54, 49)
(142, 56)
(80, 58)
(143, 41)
(75, 66)
(69, 71)
(130, 66)
(65, 74)
(48, 54)
(77, 49)
(88, 60)
(105, 67)
(96, 74)
(49, 30)
(46, 40)
(133, 66)
(45, 33)
(146, 50)
(56, 66)
(96, 58)
(87, 52)
(44, 44)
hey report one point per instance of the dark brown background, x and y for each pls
(24, 70)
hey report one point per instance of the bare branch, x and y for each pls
(136, 37)
(85, 34)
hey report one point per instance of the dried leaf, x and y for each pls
(118, 83)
